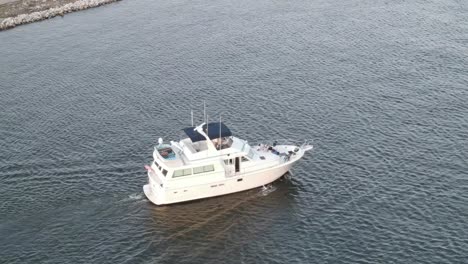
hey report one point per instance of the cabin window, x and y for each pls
(202, 169)
(208, 168)
(164, 172)
(244, 159)
(197, 170)
(180, 173)
(155, 163)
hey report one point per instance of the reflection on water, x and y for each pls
(213, 221)
(182, 218)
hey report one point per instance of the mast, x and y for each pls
(209, 143)
(219, 141)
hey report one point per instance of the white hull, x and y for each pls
(211, 162)
(241, 182)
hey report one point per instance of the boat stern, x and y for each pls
(149, 193)
(154, 190)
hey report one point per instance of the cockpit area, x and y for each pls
(199, 146)
(166, 151)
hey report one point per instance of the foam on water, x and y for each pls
(135, 197)
(267, 189)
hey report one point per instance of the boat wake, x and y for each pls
(267, 189)
(134, 197)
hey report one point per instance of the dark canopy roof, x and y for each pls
(213, 131)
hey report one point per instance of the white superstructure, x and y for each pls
(212, 162)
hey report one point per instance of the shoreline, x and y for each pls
(51, 10)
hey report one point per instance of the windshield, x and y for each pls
(251, 154)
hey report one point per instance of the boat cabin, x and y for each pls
(208, 149)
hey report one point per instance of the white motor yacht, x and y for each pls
(212, 162)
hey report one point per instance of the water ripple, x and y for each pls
(379, 86)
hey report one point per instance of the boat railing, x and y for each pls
(154, 177)
(179, 151)
(304, 143)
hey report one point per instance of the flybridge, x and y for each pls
(212, 130)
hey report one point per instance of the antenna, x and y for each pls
(208, 134)
(204, 112)
(191, 114)
(219, 143)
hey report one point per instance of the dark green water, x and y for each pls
(380, 86)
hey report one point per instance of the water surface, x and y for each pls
(379, 86)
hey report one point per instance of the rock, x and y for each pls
(52, 12)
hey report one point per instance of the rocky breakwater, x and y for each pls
(26, 11)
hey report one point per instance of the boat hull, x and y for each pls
(159, 195)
